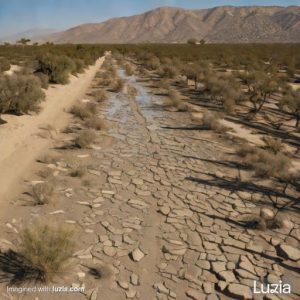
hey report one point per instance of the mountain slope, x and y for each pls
(169, 24)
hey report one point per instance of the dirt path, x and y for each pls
(20, 138)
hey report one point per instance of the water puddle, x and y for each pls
(150, 105)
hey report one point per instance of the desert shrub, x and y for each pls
(273, 145)
(176, 101)
(112, 71)
(83, 111)
(152, 63)
(78, 172)
(42, 193)
(211, 120)
(4, 65)
(85, 138)
(100, 95)
(56, 67)
(79, 66)
(174, 97)
(224, 90)
(290, 103)
(44, 79)
(163, 84)
(168, 71)
(46, 249)
(261, 85)
(264, 162)
(118, 85)
(20, 93)
(94, 123)
(129, 70)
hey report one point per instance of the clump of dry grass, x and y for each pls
(132, 91)
(211, 120)
(79, 171)
(100, 95)
(265, 163)
(49, 159)
(163, 84)
(174, 97)
(118, 85)
(176, 100)
(84, 111)
(46, 249)
(273, 145)
(94, 123)
(42, 193)
(85, 138)
(129, 70)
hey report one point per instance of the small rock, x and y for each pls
(195, 295)
(56, 212)
(218, 266)
(273, 279)
(124, 285)
(165, 210)
(267, 213)
(239, 291)
(109, 251)
(222, 285)
(207, 287)
(227, 276)
(81, 275)
(289, 252)
(137, 254)
(203, 264)
(134, 279)
(160, 287)
(131, 293)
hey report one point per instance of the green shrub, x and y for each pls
(79, 65)
(46, 249)
(56, 67)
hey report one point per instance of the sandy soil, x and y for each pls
(12, 70)
(295, 86)
(21, 138)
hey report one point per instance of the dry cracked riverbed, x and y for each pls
(156, 222)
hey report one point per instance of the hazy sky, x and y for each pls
(20, 15)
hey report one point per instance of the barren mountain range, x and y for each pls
(224, 24)
(170, 24)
